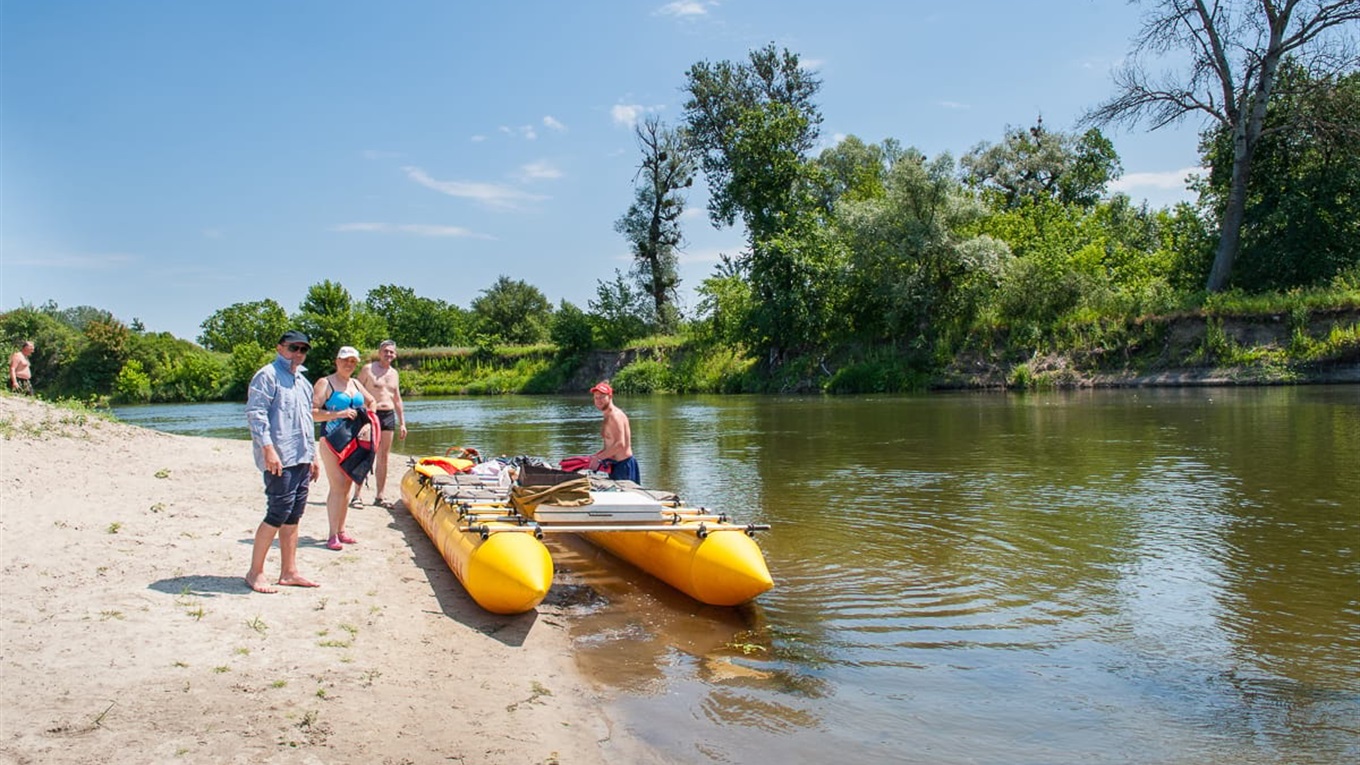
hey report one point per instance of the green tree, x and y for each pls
(853, 170)
(154, 351)
(1186, 236)
(332, 318)
(133, 384)
(620, 312)
(194, 376)
(1235, 49)
(725, 308)
(176, 369)
(915, 272)
(797, 281)
(752, 124)
(1301, 226)
(261, 322)
(652, 223)
(1114, 258)
(572, 331)
(79, 317)
(246, 360)
(1038, 163)
(514, 312)
(418, 322)
(96, 366)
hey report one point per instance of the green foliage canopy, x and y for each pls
(572, 332)
(332, 318)
(1301, 226)
(513, 311)
(620, 312)
(914, 273)
(1038, 163)
(418, 322)
(751, 123)
(261, 322)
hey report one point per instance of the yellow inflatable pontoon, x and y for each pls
(700, 553)
(501, 563)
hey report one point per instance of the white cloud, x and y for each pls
(419, 229)
(539, 171)
(489, 194)
(625, 114)
(954, 105)
(552, 123)
(527, 132)
(213, 233)
(1158, 190)
(628, 115)
(1170, 180)
(685, 8)
(478, 138)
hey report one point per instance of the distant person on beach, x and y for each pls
(382, 381)
(21, 369)
(339, 397)
(279, 413)
(617, 455)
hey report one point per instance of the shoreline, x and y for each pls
(130, 635)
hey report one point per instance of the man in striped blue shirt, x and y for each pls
(283, 438)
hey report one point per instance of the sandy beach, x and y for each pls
(130, 636)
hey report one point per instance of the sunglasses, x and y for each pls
(296, 347)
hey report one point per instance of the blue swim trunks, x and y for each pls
(625, 470)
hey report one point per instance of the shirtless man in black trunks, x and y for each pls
(380, 379)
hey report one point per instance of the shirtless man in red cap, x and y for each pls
(617, 455)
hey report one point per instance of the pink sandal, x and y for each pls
(346, 538)
(334, 544)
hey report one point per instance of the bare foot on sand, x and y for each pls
(297, 581)
(259, 586)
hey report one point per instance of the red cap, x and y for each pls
(602, 387)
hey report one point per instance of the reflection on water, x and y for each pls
(1132, 576)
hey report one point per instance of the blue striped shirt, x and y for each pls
(279, 412)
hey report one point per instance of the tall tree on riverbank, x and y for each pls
(1302, 221)
(1235, 49)
(652, 223)
(753, 125)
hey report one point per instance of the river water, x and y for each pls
(1163, 576)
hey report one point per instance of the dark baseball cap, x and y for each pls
(294, 336)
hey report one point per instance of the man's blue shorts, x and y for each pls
(286, 495)
(625, 470)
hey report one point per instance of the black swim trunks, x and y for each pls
(387, 418)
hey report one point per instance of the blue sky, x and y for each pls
(163, 160)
